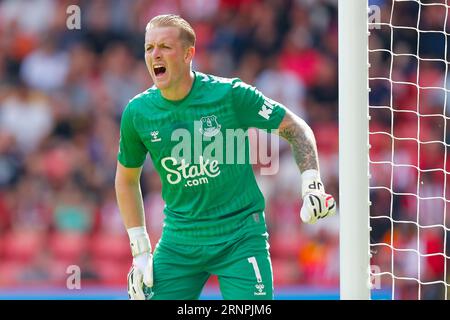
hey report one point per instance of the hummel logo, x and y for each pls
(155, 137)
(260, 288)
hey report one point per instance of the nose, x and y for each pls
(156, 54)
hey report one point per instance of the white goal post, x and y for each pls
(353, 150)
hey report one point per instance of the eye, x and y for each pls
(149, 48)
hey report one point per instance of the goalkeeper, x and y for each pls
(214, 212)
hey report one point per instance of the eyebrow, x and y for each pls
(163, 43)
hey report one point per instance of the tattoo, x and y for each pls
(301, 138)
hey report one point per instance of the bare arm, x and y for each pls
(301, 138)
(129, 196)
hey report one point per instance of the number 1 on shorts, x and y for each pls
(252, 260)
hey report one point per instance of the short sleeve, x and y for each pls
(132, 151)
(253, 109)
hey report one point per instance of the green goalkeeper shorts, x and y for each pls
(243, 268)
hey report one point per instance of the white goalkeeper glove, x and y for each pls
(141, 271)
(316, 203)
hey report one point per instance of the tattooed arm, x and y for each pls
(301, 138)
(316, 203)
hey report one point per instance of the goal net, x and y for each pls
(409, 158)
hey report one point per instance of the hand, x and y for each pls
(316, 203)
(141, 273)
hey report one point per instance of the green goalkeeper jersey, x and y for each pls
(199, 146)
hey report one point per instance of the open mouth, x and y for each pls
(159, 70)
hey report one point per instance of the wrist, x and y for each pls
(139, 240)
(136, 232)
(310, 175)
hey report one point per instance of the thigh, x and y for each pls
(177, 272)
(245, 271)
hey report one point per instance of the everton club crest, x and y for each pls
(209, 126)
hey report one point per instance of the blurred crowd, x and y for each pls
(410, 135)
(62, 93)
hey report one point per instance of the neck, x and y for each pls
(181, 90)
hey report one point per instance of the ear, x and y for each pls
(189, 55)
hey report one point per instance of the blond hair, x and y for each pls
(187, 34)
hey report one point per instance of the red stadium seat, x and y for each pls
(110, 246)
(112, 273)
(10, 272)
(68, 246)
(285, 244)
(284, 272)
(327, 138)
(22, 245)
